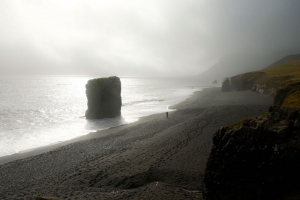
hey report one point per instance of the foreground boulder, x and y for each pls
(256, 158)
(104, 98)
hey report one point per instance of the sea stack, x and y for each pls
(104, 98)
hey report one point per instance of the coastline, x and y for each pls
(91, 135)
(60, 116)
(153, 157)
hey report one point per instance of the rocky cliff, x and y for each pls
(256, 158)
(104, 98)
(281, 73)
(260, 158)
(245, 81)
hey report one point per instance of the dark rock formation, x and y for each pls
(245, 81)
(226, 85)
(256, 158)
(104, 98)
(215, 82)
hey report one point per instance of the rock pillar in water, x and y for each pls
(104, 98)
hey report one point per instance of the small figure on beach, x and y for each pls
(167, 114)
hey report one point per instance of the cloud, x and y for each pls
(140, 37)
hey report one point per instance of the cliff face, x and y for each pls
(260, 158)
(104, 98)
(256, 158)
(245, 81)
(282, 79)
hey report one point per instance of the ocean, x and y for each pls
(37, 111)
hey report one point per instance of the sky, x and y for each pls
(139, 37)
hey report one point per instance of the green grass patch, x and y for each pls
(282, 77)
(292, 100)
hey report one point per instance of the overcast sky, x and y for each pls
(139, 37)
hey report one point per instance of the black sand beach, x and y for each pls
(154, 158)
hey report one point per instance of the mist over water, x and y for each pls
(40, 110)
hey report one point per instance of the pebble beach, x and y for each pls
(153, 158)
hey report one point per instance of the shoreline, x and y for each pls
(153, 158)
(96, 134)
(28, 125)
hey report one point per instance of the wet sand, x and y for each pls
(154, 158)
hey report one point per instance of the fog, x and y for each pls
(139, 37)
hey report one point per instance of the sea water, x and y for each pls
(36, 111)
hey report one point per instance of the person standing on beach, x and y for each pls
(167, 113)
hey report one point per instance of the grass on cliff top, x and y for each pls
(292, 100)
(283, 76)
